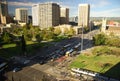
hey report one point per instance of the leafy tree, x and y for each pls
(27, 34)
(57, 31)
(113, 41)
(66, 31)
(51, 29)
(47, 34)
(99, 39)
(7, 38)
(71, 32)
(86, 29)
(38, 38)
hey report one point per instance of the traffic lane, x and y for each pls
(50, 52)
(47, 51)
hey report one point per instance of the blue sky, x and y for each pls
(98, 8)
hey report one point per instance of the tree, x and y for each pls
(47, 34)
(113, 41)
(66, 31)
(23, 45)
(99, 39)
(6, 38)
(71, 32)
(27, 33)
(86, 29)
(38, 38)
(57, 31)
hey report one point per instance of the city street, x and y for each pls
(35, 70)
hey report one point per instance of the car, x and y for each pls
(41, 62)
(17, 69)
(26, 61)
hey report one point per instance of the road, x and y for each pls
(35, 71)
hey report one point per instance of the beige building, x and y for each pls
(83, 14)
(46, 14)
(108, 29)
(64, 15)
(3, 11)
(63, 28)
(21, 15)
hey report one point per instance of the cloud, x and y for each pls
(107, 13)
(20, 3)
(100, 3)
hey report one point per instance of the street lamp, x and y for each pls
(82, 39)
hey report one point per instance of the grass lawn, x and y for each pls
(102, 64)
(8, 45)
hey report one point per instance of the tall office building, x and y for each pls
(21, 15)
(46, 15)
(3, 11)
(35, 15)
(64, 15)
(83, 14)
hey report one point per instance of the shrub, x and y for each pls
(99, 39)
(101, 50)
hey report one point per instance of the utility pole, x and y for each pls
(90, 34)
(82, 39)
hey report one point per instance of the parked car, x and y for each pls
(17, 69)
(41, 62)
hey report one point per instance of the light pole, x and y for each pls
(82, 39)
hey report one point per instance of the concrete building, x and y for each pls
(35, 15)
(108, 29)
(63, 28)
(83, 14)
(46, 15)
(21, 15)
(3, 11)
(73, 19)
(64, 15)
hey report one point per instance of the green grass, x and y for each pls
(101, 64)
(60, 38)
(8, 45)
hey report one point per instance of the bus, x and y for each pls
(80, 71)
(77, 46)
(66, 46)
(3, 66)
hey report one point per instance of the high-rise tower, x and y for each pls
(3, 11)
(21, 15)
(64, 15)
(83, 14)
(46, 15)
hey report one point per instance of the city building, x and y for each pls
(21, 15)
(63, 28)
(110, 29)
(64, 15)
(83, 14)
(46, 15)
(35, 15)
(73, 21)
(3, 11)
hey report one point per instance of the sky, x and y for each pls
(98, 8)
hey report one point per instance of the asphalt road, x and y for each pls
(35, 71)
